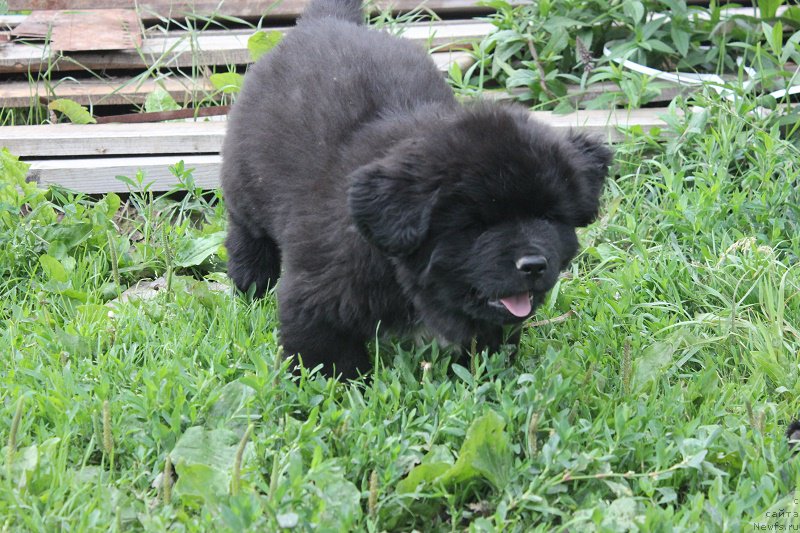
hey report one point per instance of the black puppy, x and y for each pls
(349, 163)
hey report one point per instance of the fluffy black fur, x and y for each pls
(793, 435)
(351, 172)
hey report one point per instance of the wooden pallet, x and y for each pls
(180, 49)
(88, 158)
(206, 48)
(134, 90)
(286, 9)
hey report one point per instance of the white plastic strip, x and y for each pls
(691, 79)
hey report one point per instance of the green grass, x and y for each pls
(658, 402)
(652, 395)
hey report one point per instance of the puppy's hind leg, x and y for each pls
(252, 260)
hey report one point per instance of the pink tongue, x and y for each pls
(518, 305)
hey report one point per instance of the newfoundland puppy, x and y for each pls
(353, 174)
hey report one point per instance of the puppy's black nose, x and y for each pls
(532, 264)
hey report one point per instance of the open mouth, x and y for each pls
(518, 305)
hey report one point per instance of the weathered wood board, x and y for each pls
(207, 48)
(124, 91)
(288, 9)
(101, 91)
(83, 30)
(98, 175)
(60, 140)
(97, 151)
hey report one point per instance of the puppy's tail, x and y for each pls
(349, 10)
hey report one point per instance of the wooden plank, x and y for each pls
(11, 21)
(125, 91)
(98, 174)
(97, 92)
(180, 49)
(83, 30)
(59, 140)
(206, 137)
(153, 9)
(8, 22)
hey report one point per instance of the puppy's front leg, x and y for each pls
(339, 352)
(307, 330)
(492, 338)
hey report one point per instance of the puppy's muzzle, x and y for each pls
(534, 265)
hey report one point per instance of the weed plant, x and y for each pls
(552, 53)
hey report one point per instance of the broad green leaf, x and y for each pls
(75, 294)
(697, 122)
(622, 515)
(227, 82)
(433, 466)
(486, 453)
(696, 460)
(108, 205)
(25, 460)
(197, 249)
(73, 343)
(773, 36)
(93, 314)
(790, 48)
(160, 100)
(76, 113)
(681, 40)
(222, 253)
(342, 501)
(204, 460)
(650, 365)
(769, 8)
(658, 46)
(53, 268)
(262, 42)
(634, 11)
(792, 13)
(34, 461)
(523, 77)
(230, 406)
(201, 481)
(425, 473)
(70, 235)
(464, 374)
(455, 73)
(777, 38)
(12, 170)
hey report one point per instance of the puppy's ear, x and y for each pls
(591, 164)
(391, 202)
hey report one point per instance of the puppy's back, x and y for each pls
(347, 10)
(303, 102)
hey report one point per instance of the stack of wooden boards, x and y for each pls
(89, 158)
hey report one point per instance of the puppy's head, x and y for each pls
(479, 213)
